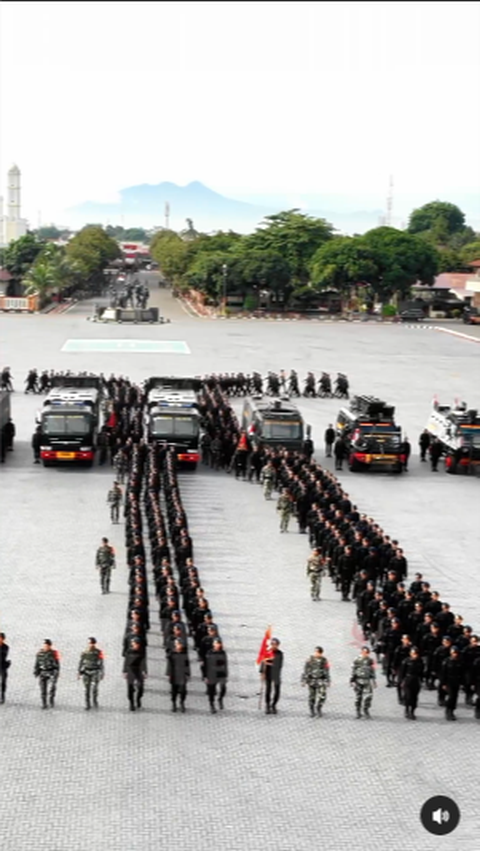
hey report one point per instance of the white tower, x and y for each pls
(2, 225)
(14, 226)
(13, 210)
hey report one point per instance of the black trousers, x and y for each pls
(212, 691)
(3, 684)
(132, 682)
(178, 690)
(411, 690)
(268, 693)
(451, 697)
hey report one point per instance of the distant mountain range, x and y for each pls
(144, 206)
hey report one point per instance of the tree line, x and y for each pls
(294, 258)
(291, 258)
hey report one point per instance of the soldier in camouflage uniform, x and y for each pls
(115, 499)
(364, 681)
(91, 670)
(267, 477)
(316, 675)
(120, 464)
(105, 563)
(47, 669)
(285, 509)
(315, 571)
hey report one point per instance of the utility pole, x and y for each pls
(167, 215)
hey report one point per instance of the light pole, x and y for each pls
(224, 272)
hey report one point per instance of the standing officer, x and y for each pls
(435, 454)
(451, 676)
(105, 563)
(47, 669)
(216, 669)
(339, 451)
(424, 443)
(315, 570)
(115, 499)
(178, 672)
(329, 440)
(410, 675)
(135, 672)
(267, 478)
(4, 666)
(308, 445)
(316, 675)
(405, 450)
(284, 507)
(91, 669)
(36, 444)
(364, 681)
(271, 672)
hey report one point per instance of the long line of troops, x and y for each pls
(416, 636)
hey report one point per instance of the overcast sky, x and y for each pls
(250, 98)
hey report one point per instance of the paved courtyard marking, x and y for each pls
(458, 334)
(165, 347)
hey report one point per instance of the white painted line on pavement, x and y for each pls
(458, 334)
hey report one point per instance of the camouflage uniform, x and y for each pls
(91, 670)
(316, 676)
(363, 678)
(315, 572)
(120, 464)
(47, 669)
(267, 477)
(115, 499)
(284, 506)
(105, 562)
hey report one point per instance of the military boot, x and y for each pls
(366, 712)
(312, 709)
(212, 708)
(319, 710)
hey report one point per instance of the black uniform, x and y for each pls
(272, 671)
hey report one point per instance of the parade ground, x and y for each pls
(111, 780)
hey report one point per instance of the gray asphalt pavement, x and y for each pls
(117, 781)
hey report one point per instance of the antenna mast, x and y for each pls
(167, 215)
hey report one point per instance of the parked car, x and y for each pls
(412, 314)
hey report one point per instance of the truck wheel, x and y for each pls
(353, 466)
(47, 463)
(398, 469)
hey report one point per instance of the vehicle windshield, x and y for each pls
(378, 428)
(175, 426)
(66, 424)
(277, 430)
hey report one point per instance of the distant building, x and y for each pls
(12, 226)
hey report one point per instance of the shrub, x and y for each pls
(389, 310)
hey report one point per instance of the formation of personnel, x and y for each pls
(365, 565)
(277, 384)
(177, 585)
(417, 640)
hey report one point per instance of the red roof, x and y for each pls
(475, 264)
(5, 275)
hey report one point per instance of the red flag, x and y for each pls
(265, 651)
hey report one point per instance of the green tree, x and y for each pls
(401, 260)
(90, 252)
(48, 232)
(343, 263)
(20, 254)
(440, 217)
(294, 236)
(170, 251)
(135, 235)
(205, 273)
(470, 252)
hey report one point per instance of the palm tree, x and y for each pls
(40, 279)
